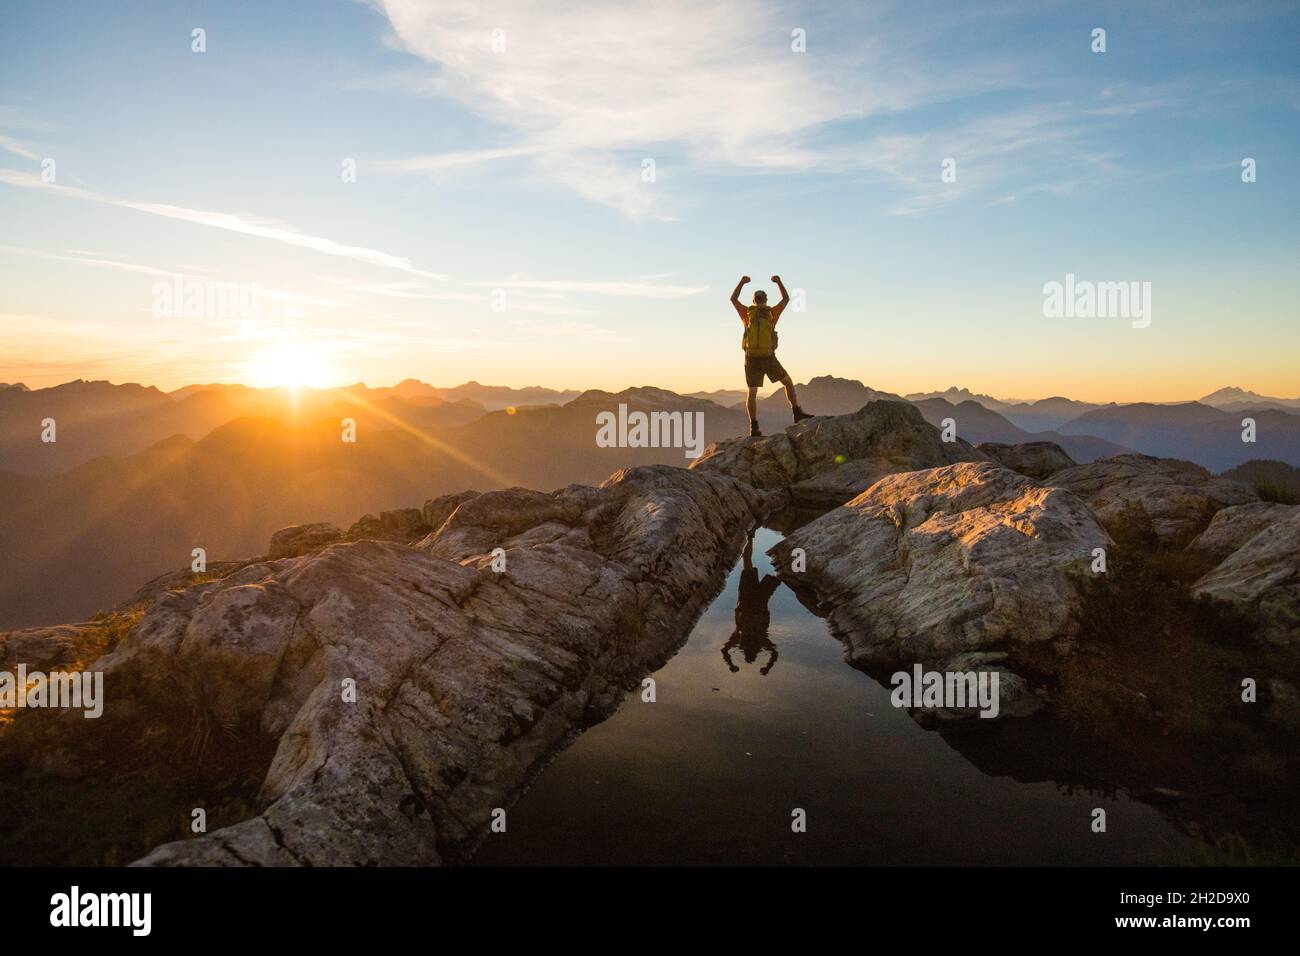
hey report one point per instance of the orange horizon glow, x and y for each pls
(285, 369)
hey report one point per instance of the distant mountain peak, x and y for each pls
(958, 394)
(1232, 394)
(644, 395)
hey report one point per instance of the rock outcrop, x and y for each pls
(437, 510)
(1037, 459)
(41, 648)
(302, 538)
(1263, 573)
(1179, 497)
(516, 517)
(930, 564)
(823, 462)
(183, 578)
(401, 524)
(465, 678)
(1233, 527)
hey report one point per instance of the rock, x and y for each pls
(1037, 459)
(42, 648)
(1263, 576)
(823, 462)
(1179, 497)
(437, 510)
(302, 538)
(1015, 698)
(402, 524)
(183, 578)
(466, 679)
(932, 563)
(1233, 527)
(1284, 705)
(491, 520)
(847, 481)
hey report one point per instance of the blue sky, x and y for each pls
(519, 168)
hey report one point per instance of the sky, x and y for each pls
(564, 194)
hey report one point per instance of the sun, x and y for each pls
(289, 365)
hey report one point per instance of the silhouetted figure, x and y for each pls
(752, 617)
(759, 343)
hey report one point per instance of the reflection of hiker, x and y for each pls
(759, 343)
(752, 617)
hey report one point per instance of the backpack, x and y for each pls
(759, 337)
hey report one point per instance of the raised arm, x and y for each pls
(785, 300)
(735, 299)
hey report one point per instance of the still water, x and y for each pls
(738, 739)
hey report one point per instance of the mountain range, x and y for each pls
(139, 477)
(74, 537)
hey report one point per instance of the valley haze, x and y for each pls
(139, 477)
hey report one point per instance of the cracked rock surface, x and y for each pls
(1037, 459)
(466, 678)
(933, 563)
(1179, 496)
(824, 461)
(1263, 572)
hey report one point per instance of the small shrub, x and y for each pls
(1272, 480)
(1277, 493)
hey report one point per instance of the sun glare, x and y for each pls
(291, 365)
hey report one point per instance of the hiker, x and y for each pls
(752, 616)
(759, 343)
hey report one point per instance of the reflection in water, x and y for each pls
(752, 616)
(711, 772)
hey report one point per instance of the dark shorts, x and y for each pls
(756, 366)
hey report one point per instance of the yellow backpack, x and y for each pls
(760, 335)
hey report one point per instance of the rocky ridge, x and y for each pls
(1179, 497)
(465, 678)
(950, 566)
(468, 673)
(823, 462)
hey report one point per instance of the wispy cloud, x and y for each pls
(584, 91)
(634, 288)
(88, 260)
(399, 290)
(10, 145)
(586, 86)
(276, 295)
(984, 151)
(227, 221)
(440, 161)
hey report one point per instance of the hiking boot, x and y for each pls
(753, 430)
(800, 414)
